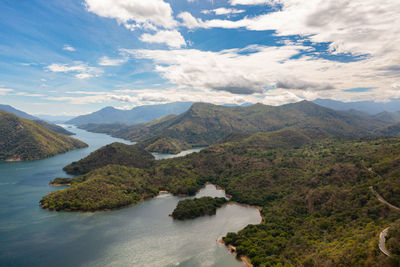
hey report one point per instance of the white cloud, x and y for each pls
(255, 69)
(28, 94)
(172, 38)
(106, 61)
(251, 2)
(5, 91)
(68, 48)
(134, 13)
(223, 11)
(358, 26)
(81, 70)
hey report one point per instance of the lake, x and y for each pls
(140, 235)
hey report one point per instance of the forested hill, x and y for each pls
(205, 124)
(22, 139)
(51, 126)
(313, 190)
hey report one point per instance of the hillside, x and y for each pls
(24, 115)
(22, 139)
(140, 114)
(53, 127)
(19, 113)
(314, 194)
(115, 153)
(390, 117)
(390, 130)
(204, 124)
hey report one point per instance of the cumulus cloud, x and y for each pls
(258, 69)
(68, 48)
(171, 38)
(358, 26)
(134, 13)
(223, 11)
(251, 2)
(81, 70)
(296, 84)
(106, 61)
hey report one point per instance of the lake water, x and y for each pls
(141, 235)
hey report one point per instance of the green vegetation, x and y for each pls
(313, 190)
(22, 139)
(393, 242)
(53, 127)
(205, 124)
(167, 145)
(193, 208)
(62, 181)
(115, 153)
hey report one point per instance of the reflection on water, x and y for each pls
(181, 154)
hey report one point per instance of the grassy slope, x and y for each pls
(25, 140)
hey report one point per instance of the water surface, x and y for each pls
(141, 235)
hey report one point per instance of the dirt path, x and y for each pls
(382, 200)
(382, 240)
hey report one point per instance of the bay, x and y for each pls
(140, 235)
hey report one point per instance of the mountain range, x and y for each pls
(369, 107)
(204, 124)
(136, 115)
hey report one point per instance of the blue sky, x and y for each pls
(73, 57)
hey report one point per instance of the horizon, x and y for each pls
(73, 58)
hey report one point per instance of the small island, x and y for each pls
(196, 207)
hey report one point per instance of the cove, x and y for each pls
(140, 235)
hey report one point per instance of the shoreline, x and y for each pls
(51, 184)
(232, 250)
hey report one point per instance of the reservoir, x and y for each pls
(140, 235)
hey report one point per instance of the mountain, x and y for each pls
(17, 112)
(22, 139)
(204, 124)
(369, 107)
(392, 130)
(21, 114)
(388, 116)
(136, 115)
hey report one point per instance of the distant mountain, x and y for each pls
(17, 112)
(136, 115)
(53, 127)
(22, 139)
(54, 118)
(205, 124)
(388, 116)
(369, 107)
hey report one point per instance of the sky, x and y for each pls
(74, 57)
